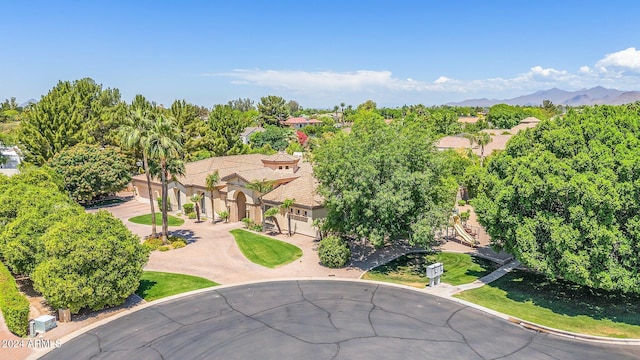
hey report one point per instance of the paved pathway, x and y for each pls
(321, 320)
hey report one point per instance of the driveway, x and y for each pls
(321, 320)
(213, 254)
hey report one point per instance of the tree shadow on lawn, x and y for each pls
(566, 298)
(145, 287)
(188, 235)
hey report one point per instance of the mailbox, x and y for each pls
(435, 270)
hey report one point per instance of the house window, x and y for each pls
(286, 167)
(291, 210)
(305, 213)
(279, 167)
(298, 211)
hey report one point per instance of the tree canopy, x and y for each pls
(384, 182)
(71, 113)
(90, 171)
(90, 261)
(273, 109)
(563, 198)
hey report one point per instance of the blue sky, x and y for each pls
(320, 53)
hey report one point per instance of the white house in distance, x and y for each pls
(292, 179)
(12, 160)
(300, 122)
(246, 134)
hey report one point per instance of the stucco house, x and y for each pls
(300, 122)
(246, 134)
(11, 161)
(292, 179)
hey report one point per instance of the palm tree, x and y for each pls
(482, 139)
(272, 213)
(212, 182)
(342, 105)
(134, 136)
(195, 198)
(163, 145)
(262, 187)
(286, 204)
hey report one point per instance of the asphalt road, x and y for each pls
(321, 320)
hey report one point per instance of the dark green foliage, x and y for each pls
(91, 261)
(384, 182)
(90, 171)
(273, 110)
(14, 305)
(334, 252)
(276, 137)
(563, 198)
(226, 125)
(71, 113)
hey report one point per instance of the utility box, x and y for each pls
(44, 323)
(434, 271)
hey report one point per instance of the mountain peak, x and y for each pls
(595, 95)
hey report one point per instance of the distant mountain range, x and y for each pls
(27, 103)
(594, 96)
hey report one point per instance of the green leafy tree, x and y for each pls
(277, 138)
(445, 121)
(164, 145)
(563, 198)
(133, 135)
(273, 110)
(90, 171)
(368, 105)
(226, 125)
(71, 113)
(211, 183)
(505, 116)
(91, 261)
(384, 182)
(242, 105)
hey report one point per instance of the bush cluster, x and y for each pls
(334, 252)
(188, 208)
(14, 305)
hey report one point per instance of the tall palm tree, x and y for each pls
(272, 213)
(134, 136)
(482, 139)
(164, 145)
(342, 105)
(286, 204)
(212, 182)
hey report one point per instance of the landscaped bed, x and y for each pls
(410, 269)
(155, 285)
(560, 305)
(265, 251)
(146, 220)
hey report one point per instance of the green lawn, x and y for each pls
(155, 285)
(265, 251)
(146, 220)
(411, 269)
(561, 305)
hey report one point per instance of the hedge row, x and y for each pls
(14, 305)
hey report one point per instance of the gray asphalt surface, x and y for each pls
(321, 320)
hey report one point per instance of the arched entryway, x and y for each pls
(241, 203)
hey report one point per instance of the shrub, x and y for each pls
(160, 203)
(153, 243)
(192, 215)
(188, 208)
(14, 305)
(248, 223)
(462, 203)
(224, 215)
(178, 244)
(334, 252)
(256, 227)
(164, 248)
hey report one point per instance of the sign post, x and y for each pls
(434, 271)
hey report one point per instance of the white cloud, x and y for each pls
(625, 60)
(617, 70)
